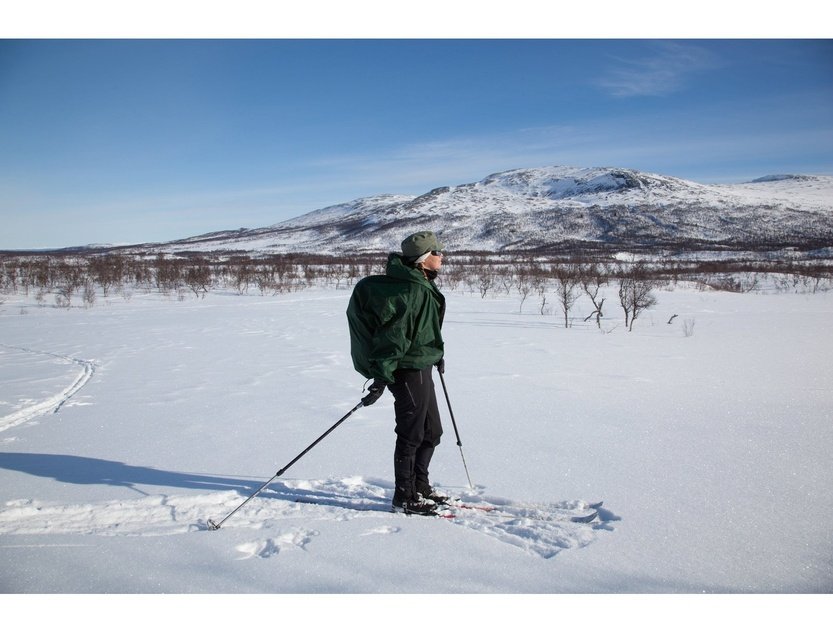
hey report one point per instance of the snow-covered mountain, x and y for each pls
(558, 206)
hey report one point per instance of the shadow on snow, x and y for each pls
(93, 471)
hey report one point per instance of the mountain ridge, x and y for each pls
(552, 207)
(556, 208)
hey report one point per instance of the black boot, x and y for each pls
(405, 497)
(412, 505)
(424, 490)
(422, 460)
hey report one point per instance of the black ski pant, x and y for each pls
(418, 427)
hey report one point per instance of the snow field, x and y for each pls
(710, 451)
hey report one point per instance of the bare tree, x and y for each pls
(168, 273)
(8, 277)
(525, 276)
(72, 276)
(107, 270)
(241, 272)
(485, 282)
(635, 294)
(566, 283)
(198, 276)
(89, 294)
(541, 288)
(592, 279)
(265, 279)
(452, 277)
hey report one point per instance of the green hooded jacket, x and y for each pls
(395, 322)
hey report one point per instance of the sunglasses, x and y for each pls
(437, 253)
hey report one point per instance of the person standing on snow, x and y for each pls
(395, 321)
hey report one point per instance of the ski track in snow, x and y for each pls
(540, 529)
(53, 403)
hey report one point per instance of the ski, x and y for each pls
(450, 510)
(587, 518)
(525, 513)
(455, 508)
(440, 514)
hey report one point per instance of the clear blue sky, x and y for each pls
(125, 141)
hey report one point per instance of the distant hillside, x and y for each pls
(558, 207)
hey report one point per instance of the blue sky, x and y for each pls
(126, 141)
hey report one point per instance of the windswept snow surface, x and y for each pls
(711, 449)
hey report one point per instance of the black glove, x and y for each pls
(440, 366)
(375, 392)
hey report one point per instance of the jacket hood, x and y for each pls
(398, 269)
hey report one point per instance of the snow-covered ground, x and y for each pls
(126, 426)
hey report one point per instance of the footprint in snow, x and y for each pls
(261, 549)
(266, 548)
(382, 529)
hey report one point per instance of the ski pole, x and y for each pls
(216, 526)
(454, 423)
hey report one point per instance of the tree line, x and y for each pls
(73, 278)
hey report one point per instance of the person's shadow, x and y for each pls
(89, 470)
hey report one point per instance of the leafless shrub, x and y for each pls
(485, 282)
(567, 279)
(198, 277)
(592, 278)
(635, 296)
(88, 296)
